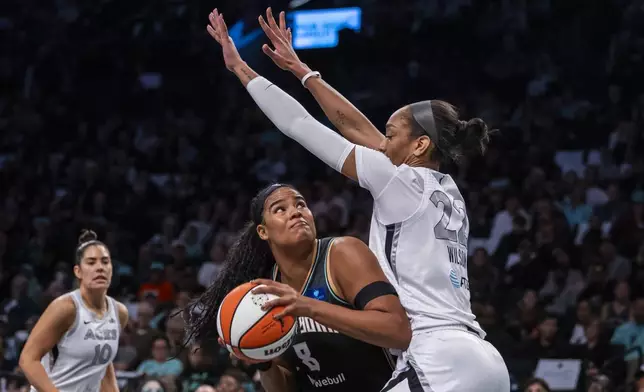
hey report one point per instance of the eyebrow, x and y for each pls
(298, 198)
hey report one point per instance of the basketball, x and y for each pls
(250, 332)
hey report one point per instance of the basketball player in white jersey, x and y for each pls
(419, 228)
(73, 344)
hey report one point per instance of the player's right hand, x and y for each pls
(234, 358)
(219, 31)
(283, 55)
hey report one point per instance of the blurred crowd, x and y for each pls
(119, 116)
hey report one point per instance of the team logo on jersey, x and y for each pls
(316, 293)
(454, 278)
(458, 281)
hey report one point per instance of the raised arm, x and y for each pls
(351, 123)
(372, 168)
(57, 319)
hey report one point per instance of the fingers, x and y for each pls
(266, 282)
(212, 27)
(283, 23)
(286, 312)
(275, 290)
(272, 35)
(221, 342)
(276, 57)
(282, 301)
(271, 19)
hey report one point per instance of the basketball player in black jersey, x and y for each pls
(348, 313)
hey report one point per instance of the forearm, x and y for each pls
(276, 379)
(37, 376)
(371, 326)
(290, 117)
(244, 73)
(109, 383)
(351, 123)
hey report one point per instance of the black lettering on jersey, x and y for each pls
(308, 325)
(457, 256)
(101, 334)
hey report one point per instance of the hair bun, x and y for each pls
(477, 137)
(86, 236)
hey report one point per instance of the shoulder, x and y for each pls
(351, 251)
(347, 246)
(122, 312)
(64, 306)
(61, 312)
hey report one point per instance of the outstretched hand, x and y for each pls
(283, 54)
(219, 31)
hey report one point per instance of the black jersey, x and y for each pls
(324, 359)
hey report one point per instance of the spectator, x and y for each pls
(158, 286)
(617, 311)
(537, 385)
(631, 336)
(160, 364)
(200, 369)
(585, 318)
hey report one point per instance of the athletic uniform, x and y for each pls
(419, 232)
(78, 361)
(323, 359)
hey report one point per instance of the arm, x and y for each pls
(109, 382)
(383, 321)
(351, 123)
(278, 378)
(57, 319)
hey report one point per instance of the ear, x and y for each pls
(262, 232)
(422, 145)
(77, 271)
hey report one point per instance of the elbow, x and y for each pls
(23, 362)
(403, 333)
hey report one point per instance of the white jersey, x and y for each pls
(419, 232)
(79, 360)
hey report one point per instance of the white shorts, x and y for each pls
(449, 360)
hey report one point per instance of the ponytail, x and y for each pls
(249, 258)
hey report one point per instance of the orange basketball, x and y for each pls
(250, 332)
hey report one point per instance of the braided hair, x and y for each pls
(249, 258)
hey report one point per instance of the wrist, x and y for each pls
(264, 366)
(299, 70)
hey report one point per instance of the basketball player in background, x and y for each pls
(347, 310)
(419, 228)
(73, 344)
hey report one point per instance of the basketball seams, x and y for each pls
(232, 317)
(227, 315)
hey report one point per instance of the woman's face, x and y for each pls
(160, 350)
(95, 268)
(399, 144)
(287, 219)
(535, 387)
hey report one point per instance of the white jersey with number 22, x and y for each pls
(419, 232)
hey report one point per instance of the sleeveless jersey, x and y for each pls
(419, 232)
(78, 361)
(324, 359)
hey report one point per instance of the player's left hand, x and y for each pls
(295, 303)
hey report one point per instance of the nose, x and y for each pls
(295, 213)
(382, 146)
